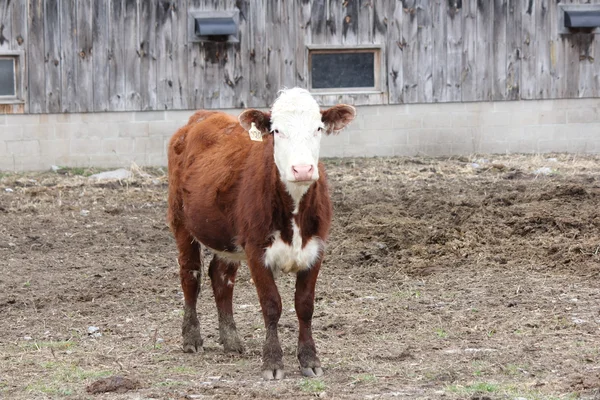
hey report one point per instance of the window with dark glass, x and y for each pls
(7, 77)
(344, 69)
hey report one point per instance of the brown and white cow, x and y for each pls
(265, 202)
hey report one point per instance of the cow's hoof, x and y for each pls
(192, 343)
(233, 346)
(270, 374)
(312, 372)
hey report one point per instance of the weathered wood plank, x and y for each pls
(19, 42)
(241, 66)
(52, 56)
(365, 21)
(586, 66)
(288, 39)
(273, 44)
(556, 50)
(132, 61)
(213, 73)
(147, 50)
(101, 55)
(469, 56)
(396, 46)
(303, 38)
(499, 51)
(116, 83)
(454, 51)
(350, 19)
(335, 20)
(164, 52)
(84, 78)
(258, 55)
(382, 16)
(195, 65)
(484, 59)
(67, 45)
(180, 54)
(6, 10)
(542, 50)
(410, 55)
(513, 54)
(440, 50)
(425, 48)
(529, 11)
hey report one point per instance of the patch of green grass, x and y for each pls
(478, 387)
(508, 391)
(38, 345)
(185, 370)
(408, 294)
(363, 378)
(513, 369)
(312, 385)
(51, 389)
(479, 368)
(27, 284)
(441, 333)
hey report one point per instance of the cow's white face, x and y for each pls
(297, 124)
(297, 127)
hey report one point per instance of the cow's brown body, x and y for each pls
(226, 193)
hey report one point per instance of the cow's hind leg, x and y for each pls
(222, 276)
(190, 270)
(310, 365)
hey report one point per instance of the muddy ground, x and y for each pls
(444, 279)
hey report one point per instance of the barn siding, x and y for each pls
(134, 55)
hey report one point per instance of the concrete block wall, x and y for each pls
(116, 139)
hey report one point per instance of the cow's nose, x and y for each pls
(302, 172)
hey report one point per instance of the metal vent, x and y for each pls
(214, 26)
(582, 19)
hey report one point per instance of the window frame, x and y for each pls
(19, 76)
(378, 72)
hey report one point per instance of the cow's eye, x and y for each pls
(319, 130)
(278, 133)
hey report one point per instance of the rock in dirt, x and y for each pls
(117, 384)
(117, 174)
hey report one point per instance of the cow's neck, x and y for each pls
(296, 192)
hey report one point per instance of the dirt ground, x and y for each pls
(468, 278)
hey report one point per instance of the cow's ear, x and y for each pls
(262, 120)
(337, 117)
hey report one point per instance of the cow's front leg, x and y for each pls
(270, 303)
(310, 365)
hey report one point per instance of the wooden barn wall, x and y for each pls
(112, 55)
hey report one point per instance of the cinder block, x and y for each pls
(7, 163)
(125, 146)
(363, 138)
(55, 147)
(102, 130)
(87, 146)
(368, 151)
(11, 132)
(183, 115)
(107, 117)
(438, 120)
(156, 160)
(407, 150)
(23, 147)
(339, 140)
(393, 137)
(583, 116)
(149, 116)
(331, 151)
(2, 119)
(164, 128)
(72, 131)
(465, 119)
(493, 147)
(501, 118)
(406, 121)
(38, 132)
(133, 129)
(375, 122)
(148, 145)
(553, 117)
(22, 119)
(552, 146)
(574, 103)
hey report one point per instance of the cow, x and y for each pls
(252, 189)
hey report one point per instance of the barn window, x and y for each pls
(344, 69)
(10, 78)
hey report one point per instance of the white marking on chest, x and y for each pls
(284, 257)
